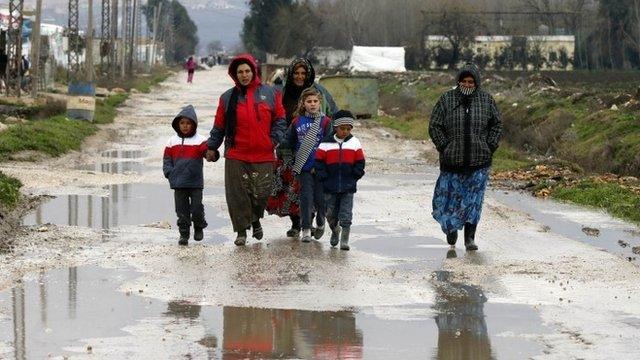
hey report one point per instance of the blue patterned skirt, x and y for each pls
(457, 198)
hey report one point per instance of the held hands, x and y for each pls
(212, 155)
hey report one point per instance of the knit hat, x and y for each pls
(343, 117)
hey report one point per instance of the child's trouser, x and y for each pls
(339, 209)
(189, 208)
(311, 198)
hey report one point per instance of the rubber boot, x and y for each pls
(294, 232)
(184, 237)
(257, 230)
(241, 239)
(318, 232)
(344, 238)
(469, 236)
(335, 235)
(452, 237)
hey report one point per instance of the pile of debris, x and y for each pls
(541, 179)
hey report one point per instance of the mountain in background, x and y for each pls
(216, 19)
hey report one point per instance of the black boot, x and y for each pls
(184, 237)
(452, 237)
(198, 234)
(469, 236)
(294, 232)
(257, 230)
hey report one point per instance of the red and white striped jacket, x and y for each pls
(340, 165)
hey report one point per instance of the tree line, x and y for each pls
(607, 32)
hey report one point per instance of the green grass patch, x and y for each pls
(54, 136)
(9, 190)
(507, 158)
(106, 110)
(613, 198)
(412, 125)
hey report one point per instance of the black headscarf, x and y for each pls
(291, 93)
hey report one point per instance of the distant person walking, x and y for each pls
(191, 69)
(285, 197)
(251, 121)
(466, 128)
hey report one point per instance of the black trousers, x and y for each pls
(189, 208)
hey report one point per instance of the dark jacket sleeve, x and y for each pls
(167, 162)
(279, 124)
(358, 165)
(216, 136)
(290, 138)
(495, 127)
(320, 165)
(437, 130)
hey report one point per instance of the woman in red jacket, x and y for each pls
(251, 121)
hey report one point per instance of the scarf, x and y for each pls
(231, 119)
(308, 143)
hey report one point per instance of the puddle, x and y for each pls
(614, 236)
(416, 249)
(124, 204)
(55, 314)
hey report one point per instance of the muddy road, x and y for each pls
(97, 273)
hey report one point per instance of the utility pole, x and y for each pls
(14, 46)
(88, 61)
(125, 31)
(156, 24)
(106, 46)
(114, 39)
(74, 41)
(132, 39)
(35, 50)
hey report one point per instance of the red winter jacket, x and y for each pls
(260, 118)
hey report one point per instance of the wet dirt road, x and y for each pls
(100, 275)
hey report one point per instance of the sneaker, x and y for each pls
(293, 233)
(198, 235)
(241, 239)
(257, 230)
(319, 232)
(306, 235)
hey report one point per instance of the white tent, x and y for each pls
(377, 59)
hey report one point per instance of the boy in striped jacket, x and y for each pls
(182, 165)
(340, 164)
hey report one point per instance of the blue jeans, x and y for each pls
(311, 198)
(339, 209)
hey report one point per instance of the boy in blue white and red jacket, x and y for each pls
(340, 164)
(182, 165)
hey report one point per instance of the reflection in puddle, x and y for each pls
(462, 329)
(83, 305)
(125, 204)
(271, 333)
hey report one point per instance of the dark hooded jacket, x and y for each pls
(291, 92)
(182, 160)
(465, 129)
(260, 118)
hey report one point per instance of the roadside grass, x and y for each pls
(106, 110)
(613, 198)
(9, 191)
(412, 126)
(506, 158)
(54, 136)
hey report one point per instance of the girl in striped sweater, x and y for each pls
(303, 136)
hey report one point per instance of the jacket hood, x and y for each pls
(469, 69)
(248, 58)
(311, 73)
(188, 112)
